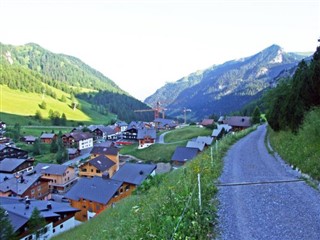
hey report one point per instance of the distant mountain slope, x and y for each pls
(227, 87)
(61, 68)
(32, 76)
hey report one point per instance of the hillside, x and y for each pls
(31, 75)
(228, 87)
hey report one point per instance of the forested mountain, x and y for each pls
(292, 98)
(59, 80)
(228, 87)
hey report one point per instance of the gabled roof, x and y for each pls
(95, 189)
(238, 121)
(102, 163)
(20, 215)
(17, 186)
(121, 124)
(10, 164)
(105, 144)
(30, 138)
(78, 136)
(48, 135)
(134, 173)
(136, 125)
(72, 150)
(216, 132)
(146, 132)
(163, 122)
(105, 129)
(194, 144)
(50, 168)
(105, 150)
(183, 154)
(207, 122)
(206, 139)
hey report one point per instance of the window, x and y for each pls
(127, 188)
(98, 171)
(91, 170)
(61, 226)
(39, 188)
(53, 230)
(32, 191)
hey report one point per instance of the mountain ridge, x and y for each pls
(227, 87)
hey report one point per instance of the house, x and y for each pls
(48, 137)
(121, 125)
(132, 130)
(98, 166)
(28, 139)
(193, 144)
(16, 165)
(11, 152)
(93, 195)
(146, 137)
(163, 124)
(105, 144)
(73, 153)
(59, 217)
(220, 131)
(27, 184)
(111, 153)
(183, 154)
(238, 123)
(205, 139)
(61, 177)
(207, 122)
(103, 132)
(133, 175)
(80, 140)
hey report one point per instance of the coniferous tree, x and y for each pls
(6, 229)
(36, 223)
(256, 115)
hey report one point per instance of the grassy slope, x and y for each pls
(163, 153)
(302, 149)
(155, 214)
(14, 103)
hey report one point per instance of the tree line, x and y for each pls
(288, 103)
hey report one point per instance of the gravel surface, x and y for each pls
(264, 211)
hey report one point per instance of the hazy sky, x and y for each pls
(141, 45)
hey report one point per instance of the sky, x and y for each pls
(143, 44)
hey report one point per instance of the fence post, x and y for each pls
(199, 186)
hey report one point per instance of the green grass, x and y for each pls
(20, 107)
(169, 209)
(163, 152)
(186, 133)
(301, 150)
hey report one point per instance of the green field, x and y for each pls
(163, 152)
(20, 107)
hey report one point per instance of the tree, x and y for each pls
(36, 148)
(38, 115)
(63, 98)
(256, 115)
(63, 119)
(6, 229)
(36, 223)
(54, 146)
(43, 105)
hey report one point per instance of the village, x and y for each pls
(95, 177)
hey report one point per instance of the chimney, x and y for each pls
(49, 206)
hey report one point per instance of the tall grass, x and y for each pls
(169, 209)
(303, 148)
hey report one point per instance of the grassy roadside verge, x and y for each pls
(302, 149)
(169, 209)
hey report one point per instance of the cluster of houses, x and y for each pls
(67, 195)
(225, 125)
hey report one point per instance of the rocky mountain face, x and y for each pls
(225, 88)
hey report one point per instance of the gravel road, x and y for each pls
(285, 210)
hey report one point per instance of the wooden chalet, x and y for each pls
(61, 177)
(28, 139)
(103, 132)
(111, 153)
(207, 122)
(12, 152)
(146, 137)
(25, 185)
(48, 137)
(183, 154)
(98, 166)
(93, 195)
(221, 130)
(165, 124)
(16, 165)
(132, 130)
(238, 123)
(73, 153)
(80, 140)
(59, 216)
(133, 175)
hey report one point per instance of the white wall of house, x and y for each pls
(52, 231)
(86, 143)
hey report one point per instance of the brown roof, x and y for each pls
(206, 122)
(238, 121)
